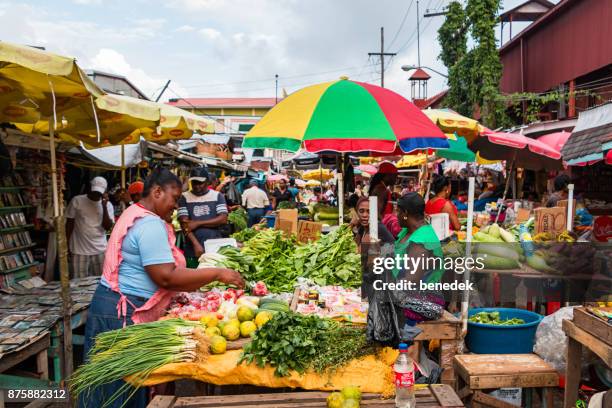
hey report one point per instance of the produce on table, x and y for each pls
(333, 302)
(137, 351)
(286, 205)
(291, 341)
(231, 332)
(494, 318)
(244, 234)
(348, 397)
(245, 313)
(238, 218)
(332, 260)
(212, 331)
(263, 317)
(218, 345)
(278, 261)
(247, 328)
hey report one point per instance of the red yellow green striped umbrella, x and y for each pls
(346, 116)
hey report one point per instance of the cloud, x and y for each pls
(185, 28)
(210, 33)
(87, 2)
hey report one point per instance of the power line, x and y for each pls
(401, 24)
(382, 54)
(222, 84)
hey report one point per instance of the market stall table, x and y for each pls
(31, 324)
(437, 395)
(585, 330)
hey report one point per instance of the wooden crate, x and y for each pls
(438, 395)
(588, 322)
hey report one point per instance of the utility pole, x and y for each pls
(418, 36)
(382, 54)
(162, 91)
(276, 89)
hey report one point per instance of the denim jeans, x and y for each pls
(102, 317)
(255, 215)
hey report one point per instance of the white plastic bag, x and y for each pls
(551, 341)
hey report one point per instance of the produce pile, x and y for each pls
(271, 257)
(244, 234)
(238, 218)
(291, 341)
(494, 319)
(137, 351)
(510, 248)
(333, 302)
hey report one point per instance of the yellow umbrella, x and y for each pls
(450, 121)
(482, 160)
(35, 83)
(313, 183)
(411, 161)
(318, 174)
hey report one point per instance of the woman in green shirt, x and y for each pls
(418, 239)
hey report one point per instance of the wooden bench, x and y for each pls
(438, 395)
(476, 372)
(447, 330)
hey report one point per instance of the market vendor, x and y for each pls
(142, 270)
(440, 203)
(419, 240)
(281, 193)
(561, 191)
(361, 226)
(201, 212)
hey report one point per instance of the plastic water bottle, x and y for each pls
(404, 379)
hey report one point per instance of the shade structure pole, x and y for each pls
(122, 166)
(468, 255)
(62, 251)
(570, 207)
(341, 191)
(373, 218)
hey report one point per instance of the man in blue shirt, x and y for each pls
(201, 212)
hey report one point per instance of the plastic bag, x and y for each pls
(551, 341)
(383, 326)
(429, 369)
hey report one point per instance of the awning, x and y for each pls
(591, 137)
(111, 155)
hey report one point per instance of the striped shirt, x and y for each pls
(202, 208)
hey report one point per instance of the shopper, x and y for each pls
(142, 270)
(255, 200)
(281, 193)
(561, 192)
(294, 190)
(88, 217)
(380, 186)
(201, 212)
(361, 226)
(441, 203)
(135, 191)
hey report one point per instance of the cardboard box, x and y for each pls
(552, 220)
(522, 215)
(287, 216)
(309, 231)
(564, 204)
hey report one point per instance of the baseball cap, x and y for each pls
(136, 187)
(387, 168)
(253, 182)
(199, 174)
(99, 184)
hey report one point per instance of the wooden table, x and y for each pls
(584, 331)
(477, 372)
(447, 329)
(438, 395)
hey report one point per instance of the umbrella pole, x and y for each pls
(468, 255)
(340, 192)
(508, 175)
(122, 166)
(62, 251)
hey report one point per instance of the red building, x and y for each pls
(567, 48)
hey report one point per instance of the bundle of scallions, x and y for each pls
(136, 351)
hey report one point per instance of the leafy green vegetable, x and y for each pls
(244, 234)
(238, 218)
(286, 205)
(291, 341)
(494, 318)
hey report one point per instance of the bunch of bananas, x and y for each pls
(543, 237)
(565, 236)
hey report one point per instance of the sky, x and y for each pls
(233, 48)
